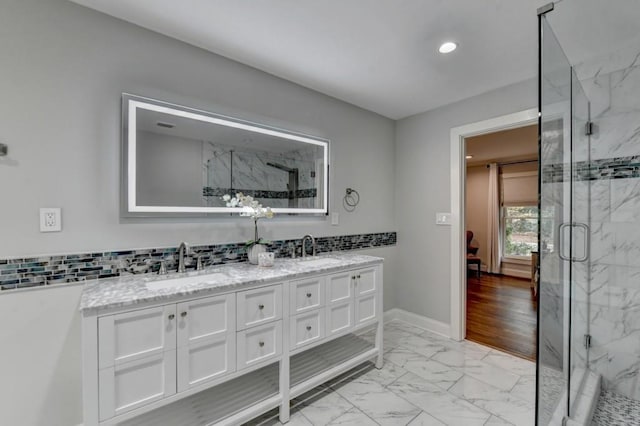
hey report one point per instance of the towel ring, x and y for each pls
(351, 199)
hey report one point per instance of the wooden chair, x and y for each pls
(472, 259)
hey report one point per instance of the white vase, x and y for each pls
(254, 251)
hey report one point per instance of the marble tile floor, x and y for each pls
(427, 379)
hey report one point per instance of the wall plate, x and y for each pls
(50, 219)
(443, 219)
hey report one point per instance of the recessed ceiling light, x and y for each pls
(469, 157)
(447, 47)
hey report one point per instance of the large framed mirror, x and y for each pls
(180, 161)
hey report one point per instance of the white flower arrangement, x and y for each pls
(250, 208)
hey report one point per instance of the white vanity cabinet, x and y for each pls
(226, 348)
(206, 340)
(149, 354)
(137, 359)
(340, 303)
(365, 295)
(352, 300)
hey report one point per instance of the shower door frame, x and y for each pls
(566, 111)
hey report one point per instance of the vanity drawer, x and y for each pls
(307, 294)
(306, 328)
(259, 344)
(259, 306)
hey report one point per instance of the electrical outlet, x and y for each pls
(50, 219)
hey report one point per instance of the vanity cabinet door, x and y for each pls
(365, 281)
(127, 386)
(136, 358)
(137, 334)
(206, 339)
(365, 289)
(339, 309)
(365, 309)
(339, 287)
(339, 318)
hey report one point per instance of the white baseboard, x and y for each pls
(426, 323)
(516, 272)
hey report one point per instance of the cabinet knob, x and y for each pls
(308, 328)
(261, 344)
(353, 277)
(261, 306)
(184, 314)
(358, 276)
(171, 316)
(308, 294)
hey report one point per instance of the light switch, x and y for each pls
(335, 218)
(443, 218)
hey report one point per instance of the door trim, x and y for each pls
(458, 296)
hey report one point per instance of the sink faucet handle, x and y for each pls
(313, 245)
(183, 250)
(162, 270)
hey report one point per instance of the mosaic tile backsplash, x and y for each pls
(257, 193)
(607, 168)
(50, 270)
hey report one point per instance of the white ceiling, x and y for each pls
(382, 54)
(506, 145)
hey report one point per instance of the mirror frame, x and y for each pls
(130, 105)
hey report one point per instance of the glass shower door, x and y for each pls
(564, 233)
(579, 258)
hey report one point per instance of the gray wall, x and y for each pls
(423, 182)
(64, 68)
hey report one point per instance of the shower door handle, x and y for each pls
(581, 234)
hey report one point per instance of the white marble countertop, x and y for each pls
(132, 289)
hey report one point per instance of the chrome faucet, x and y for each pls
(182, 250)
(313, 245)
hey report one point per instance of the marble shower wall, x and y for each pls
(612, 84)
(251, 172)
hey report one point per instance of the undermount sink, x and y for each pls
(324, 261)
(179, 282)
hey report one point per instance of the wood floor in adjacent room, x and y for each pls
(501, 313)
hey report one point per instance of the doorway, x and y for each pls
(501, 231)
(458, 295)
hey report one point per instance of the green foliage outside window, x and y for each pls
(520, 230)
